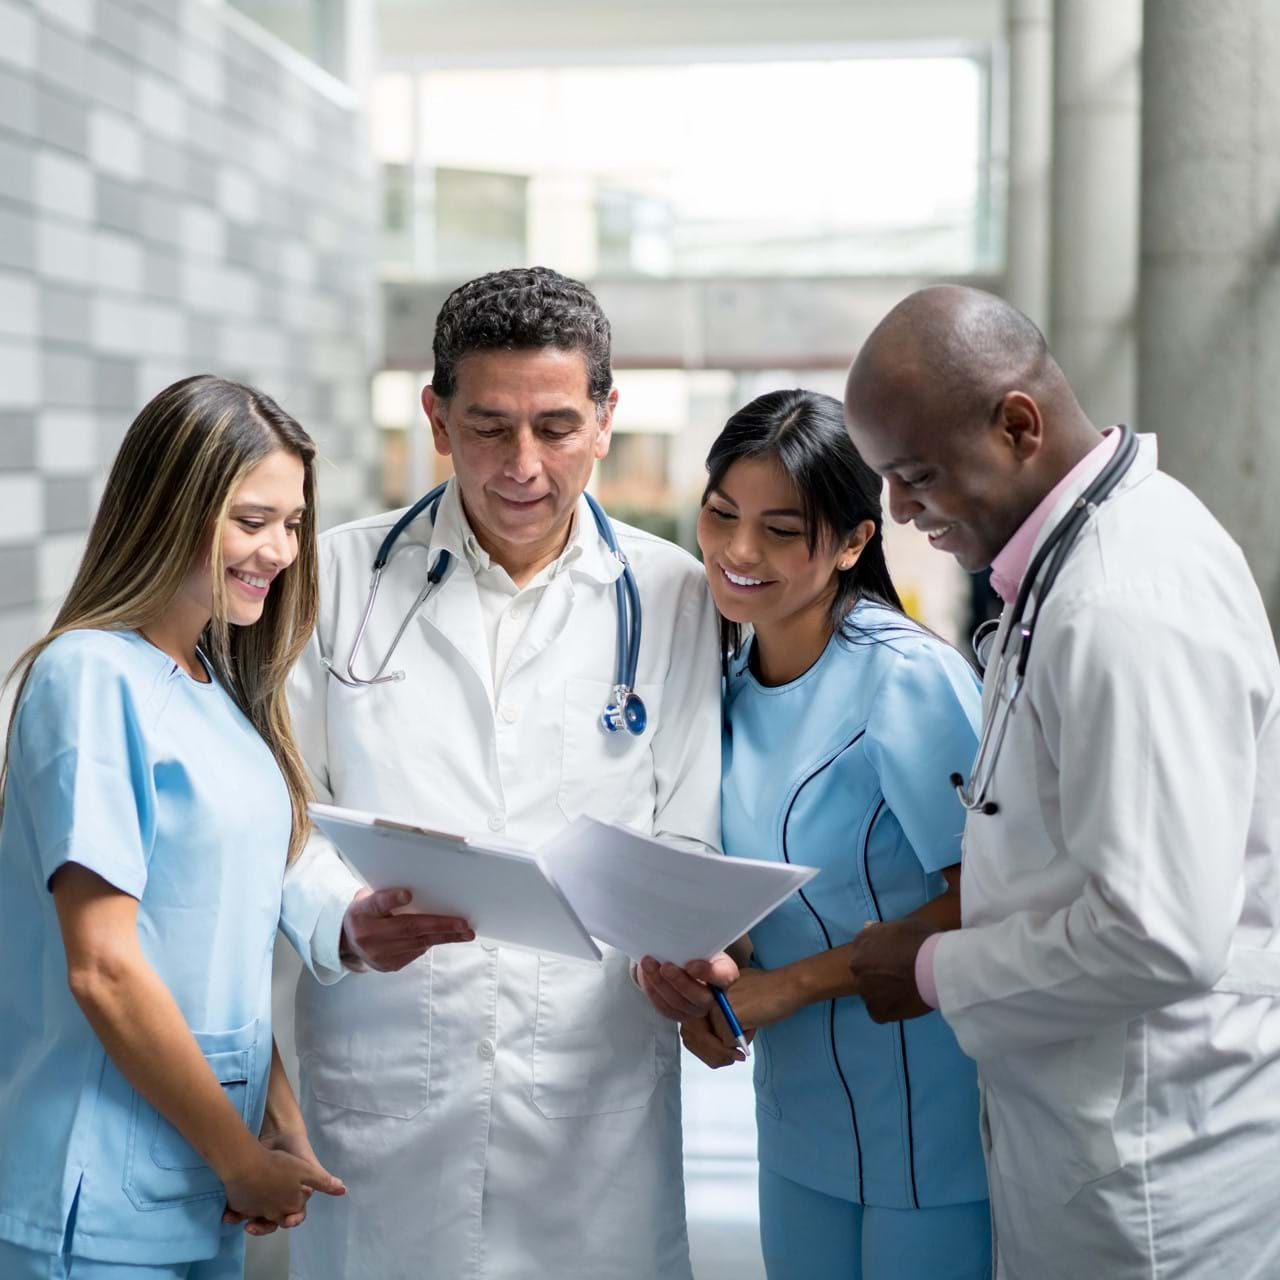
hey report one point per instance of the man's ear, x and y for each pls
(434, 407)
(1020, 421)
(604, 435)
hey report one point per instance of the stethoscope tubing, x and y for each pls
(626, 599)
(975, 794)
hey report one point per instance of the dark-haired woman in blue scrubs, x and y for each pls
(843, 722)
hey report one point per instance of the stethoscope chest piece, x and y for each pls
(626, 712)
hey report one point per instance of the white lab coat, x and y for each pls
(497, 1115)
(1116, 978)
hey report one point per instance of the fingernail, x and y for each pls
(402, 898)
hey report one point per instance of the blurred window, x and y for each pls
(823, 167)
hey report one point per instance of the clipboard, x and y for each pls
(501, 889)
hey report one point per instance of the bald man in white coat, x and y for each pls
(1116, 978)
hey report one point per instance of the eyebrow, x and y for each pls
(773, 511)
(567, 414)
(242, 507)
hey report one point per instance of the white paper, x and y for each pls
(594, 880)
(502, 892)
(646, 897)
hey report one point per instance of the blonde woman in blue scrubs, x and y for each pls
(151, 796)
(843, 722)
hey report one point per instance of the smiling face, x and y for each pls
(524, 434)
(259, 540)
(968, 487)
(755, 548)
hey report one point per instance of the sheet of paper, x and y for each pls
(646, 897)
(502, 891)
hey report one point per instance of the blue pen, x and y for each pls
(731, 1018)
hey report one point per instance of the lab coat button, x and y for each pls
(485, 1050)
(496, 822)
(509, 714)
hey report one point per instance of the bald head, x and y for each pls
(954, 351)
(956, 399)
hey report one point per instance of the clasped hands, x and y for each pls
(273, 1191)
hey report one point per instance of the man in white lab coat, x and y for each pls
(498, 1115)
(1117, 974)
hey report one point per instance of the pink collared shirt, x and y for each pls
(1008, 568)
(1007, 571)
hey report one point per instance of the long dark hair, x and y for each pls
(803, 432)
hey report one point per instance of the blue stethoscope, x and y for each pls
(625, 711)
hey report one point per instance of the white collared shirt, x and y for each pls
(505, 608)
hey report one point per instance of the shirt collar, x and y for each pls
(1010, 566)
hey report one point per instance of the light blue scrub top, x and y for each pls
(122, 763)
(847, 769)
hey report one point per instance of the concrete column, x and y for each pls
(1030, 104)
(1210, 302)
(1097, 48)
(345, 40)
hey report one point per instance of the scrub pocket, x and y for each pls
(598, 1046)
(606, 775)
(762, 1074)
(162, 1168)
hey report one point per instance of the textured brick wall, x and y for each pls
(177, 195)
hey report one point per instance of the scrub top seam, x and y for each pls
(902, 1035)
(831, 1019)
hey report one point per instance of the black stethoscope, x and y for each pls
(626, 710)
(1011, 664)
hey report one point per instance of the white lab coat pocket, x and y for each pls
(364, 1044)
(162, 1167)
(1051, 1113)
(598, 1046)
(606, 775)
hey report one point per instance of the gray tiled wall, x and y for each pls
(176, 196)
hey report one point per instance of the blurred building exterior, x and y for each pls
(179, 193)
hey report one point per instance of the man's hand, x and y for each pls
(883, 961)
(379, 934)
(678, 993)
(711, 1040)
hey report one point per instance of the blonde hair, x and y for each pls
(166, 500)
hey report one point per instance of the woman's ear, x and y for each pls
(853, 547)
